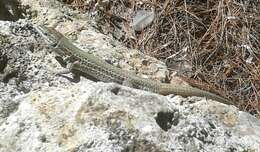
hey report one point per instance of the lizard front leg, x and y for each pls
(69, 69)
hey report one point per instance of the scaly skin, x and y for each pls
(101, 70)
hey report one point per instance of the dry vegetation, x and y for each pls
(217, 42)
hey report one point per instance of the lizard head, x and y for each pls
(50, 35)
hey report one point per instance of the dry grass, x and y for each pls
(219, 40)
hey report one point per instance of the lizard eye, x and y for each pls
(53, 44)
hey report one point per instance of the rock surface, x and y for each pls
(40, 111)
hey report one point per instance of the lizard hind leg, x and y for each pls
(133, 84)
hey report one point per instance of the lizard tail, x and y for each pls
(185, 91)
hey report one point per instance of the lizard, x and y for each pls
(87, 63)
